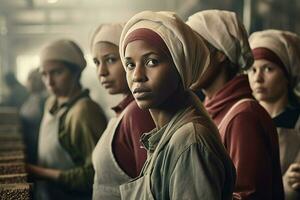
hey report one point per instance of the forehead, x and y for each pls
(141, 47)
(104, 48)
(52, 65)
(263, 63)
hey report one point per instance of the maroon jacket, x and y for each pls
(126, 143)
(250, 138)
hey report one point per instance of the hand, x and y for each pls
(42, 172)
(292, 176)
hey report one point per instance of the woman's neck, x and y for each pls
(163, 115)
(275, 108)
(217, 84)
(63, 99)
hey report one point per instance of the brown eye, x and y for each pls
(129, 65)
(151, 62)
(111, 60)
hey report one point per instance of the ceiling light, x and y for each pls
(52, 1)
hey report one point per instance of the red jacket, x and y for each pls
(250, 138)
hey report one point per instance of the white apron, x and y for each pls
(108, 174)
(52, 155)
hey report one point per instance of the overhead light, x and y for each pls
(52, 1)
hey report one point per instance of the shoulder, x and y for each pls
(134, 112)
(194, 133)
(85, 108)
(134, 109)
(85, 104)
(251, 111)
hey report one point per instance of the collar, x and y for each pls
(54, 107)
(151, 139)
(123, 104)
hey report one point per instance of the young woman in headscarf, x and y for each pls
(71, 126)
(164, 58)
(118, 156)
(274, 80)
(246, 129)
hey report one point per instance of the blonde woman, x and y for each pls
(118, 156)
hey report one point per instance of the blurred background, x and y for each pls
(26, 25)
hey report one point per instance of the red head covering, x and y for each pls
(267, 54)
(150, 37)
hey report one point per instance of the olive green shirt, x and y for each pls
(192, 164)
(80, 128)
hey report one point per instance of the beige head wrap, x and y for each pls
(107, 33)
(225, 32)
(64, 50)
(188, 51)
(286, 46)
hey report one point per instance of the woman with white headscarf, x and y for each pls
(246, 129)
(118, 156)
(71, 126)
(274, 80)
(163, 59)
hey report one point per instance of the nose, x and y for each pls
(139, 74)
(102, 70)
(258, 76)
(48, 79)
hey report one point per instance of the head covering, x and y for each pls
(107, 33)
(149, 36)
(189, 53)
(286, 46)
(64, 50)
(225, 32)
(267, 54)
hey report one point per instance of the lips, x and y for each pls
(141, 93)
(107, 84)
(259, 90)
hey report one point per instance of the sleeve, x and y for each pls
(140, 122)
(198, 174)
(127, 146)
(84, 128)
(247, 146)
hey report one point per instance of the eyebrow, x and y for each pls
(109, 54)
(145, 55)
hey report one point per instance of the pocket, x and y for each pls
(137, 189)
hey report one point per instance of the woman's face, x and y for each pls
(267, 81)
(58, 78)
(151, 76)
(109, 68)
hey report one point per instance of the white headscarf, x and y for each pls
(225, 32)
(64, 50)
(286, 46)
(189, 53)
(107, 33)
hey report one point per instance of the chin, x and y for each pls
(143, 105)
(112, 91)
(260, 97)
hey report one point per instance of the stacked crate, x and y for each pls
(13, 177)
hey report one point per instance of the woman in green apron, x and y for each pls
(274, 80)
(164, 60)
(71, 126)
(118, 156)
